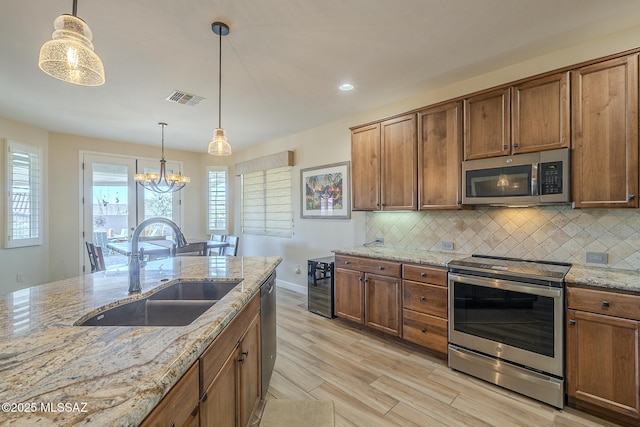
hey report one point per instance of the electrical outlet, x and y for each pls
(598, 257)
(446, 246)
(296, 269)
(379, 240)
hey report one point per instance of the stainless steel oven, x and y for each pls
(506, 324)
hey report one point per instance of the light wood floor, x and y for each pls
(377, 382)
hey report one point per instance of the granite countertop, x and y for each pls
(613, 279)
(108, 376)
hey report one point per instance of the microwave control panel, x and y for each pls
(551, 178)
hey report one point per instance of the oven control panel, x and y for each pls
(551, 178)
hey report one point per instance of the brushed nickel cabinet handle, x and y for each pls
(423, 298)
(630, 197)
(572, 322)
(605, 304)
(516, 145)
(423, 274)
(423, 330)
(505, 146)
(380, 267)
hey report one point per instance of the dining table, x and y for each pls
(160, 248)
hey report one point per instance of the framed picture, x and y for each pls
(325, 192)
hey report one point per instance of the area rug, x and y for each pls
(294, 413)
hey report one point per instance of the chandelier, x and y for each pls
(162, 182)
(69, 55)
(219, 146)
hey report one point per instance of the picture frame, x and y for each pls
(325, 191)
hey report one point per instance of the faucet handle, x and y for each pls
(141, 257)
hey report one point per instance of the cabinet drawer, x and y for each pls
(419, 273)
(425, 330)
(425, 298)
(179, 406)
(604, 302)
(369, 265)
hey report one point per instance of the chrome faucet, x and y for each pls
(136, 257)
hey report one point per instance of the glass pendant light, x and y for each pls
(219, 146)
(162, 182)
(69, 55)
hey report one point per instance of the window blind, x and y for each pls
(217, 184)
(266, 202)
(24, 207)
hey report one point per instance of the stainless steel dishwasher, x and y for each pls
(267, 330)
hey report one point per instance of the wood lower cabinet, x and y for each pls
(367, 291)
(179, 408)
(384, 165)
(604, 157)
(440, 157)
(603, 353)
(230, 372)
(425, 306)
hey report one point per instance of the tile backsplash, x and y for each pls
(553, 233)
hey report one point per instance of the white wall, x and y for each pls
(31, 262)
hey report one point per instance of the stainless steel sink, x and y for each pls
(194, 290)
(178, 304)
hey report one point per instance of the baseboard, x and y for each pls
(292, 286)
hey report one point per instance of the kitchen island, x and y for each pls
(55, 373)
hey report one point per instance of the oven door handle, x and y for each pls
(508, 285)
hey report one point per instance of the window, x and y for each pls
(217, 208)
(266, 202)
(24, 206)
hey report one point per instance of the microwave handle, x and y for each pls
(534, 179)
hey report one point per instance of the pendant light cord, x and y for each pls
(220, 81)
(163, 125)
(75, 8)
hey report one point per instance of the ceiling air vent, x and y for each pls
(184, 98)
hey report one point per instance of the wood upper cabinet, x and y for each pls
(365, 168)
(604, 157)
(440, 157)
(399, 163)
(541, 114)
(384, 165)
(487, 124)
(603, 353)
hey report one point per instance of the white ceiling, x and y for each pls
(281, 63)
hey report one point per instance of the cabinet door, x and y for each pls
(602, 361)
(219, 404)
(540, 116)
(249, 372)
(365, 168)
(382, 303)
(440, 157)
(399, 163)
(349, 289)
(180, 406)
(487, 125)
(604, 158)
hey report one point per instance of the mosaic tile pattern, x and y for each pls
(554, 233)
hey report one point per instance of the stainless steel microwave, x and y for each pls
(519, 180)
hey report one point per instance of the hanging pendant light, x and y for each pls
(162, 182)
(69, 55)
(219, 146)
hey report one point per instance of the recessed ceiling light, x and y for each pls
(345, 87)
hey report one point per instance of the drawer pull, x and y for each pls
(244, 357)
(423, 330)
(572, 322)
(605, 304)
(380, 267)
(347, 263)
(423, 299)
(423, 274)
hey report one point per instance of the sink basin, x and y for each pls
(194, 290)
(178, 304)
(147, 312)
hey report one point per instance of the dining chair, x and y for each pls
(191, 249)
(232, 249)
(96, 257)
(216, 238)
